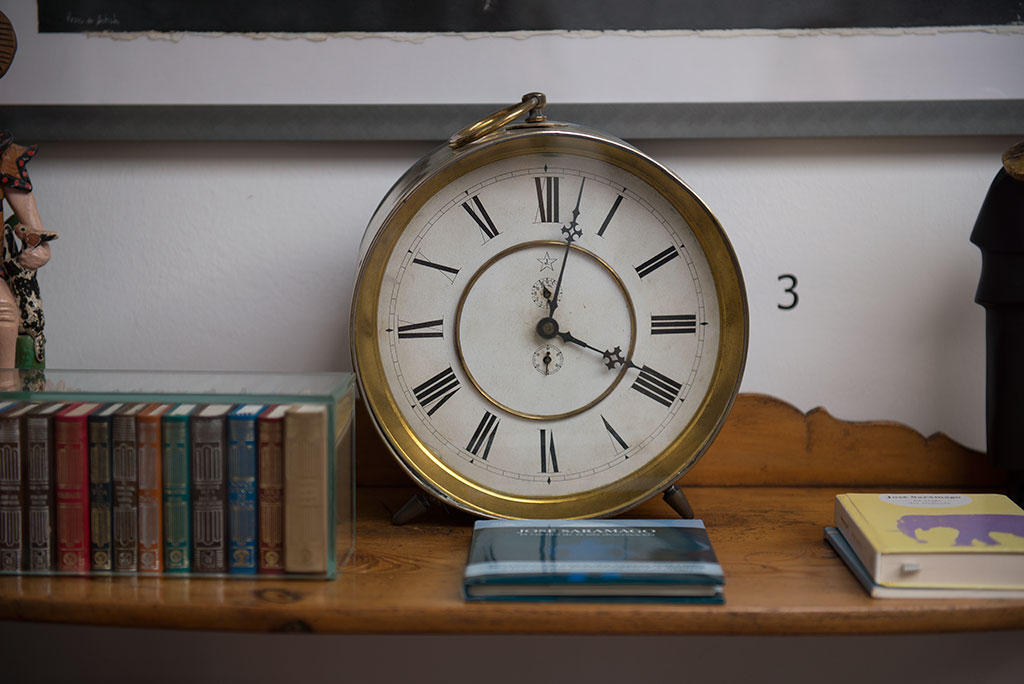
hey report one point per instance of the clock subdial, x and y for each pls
(548, 359)
(496, 332)
(544, 289)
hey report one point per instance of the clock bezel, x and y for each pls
(436, 171)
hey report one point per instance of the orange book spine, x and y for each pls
(150, 488)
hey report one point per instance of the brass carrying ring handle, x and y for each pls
(532, 104)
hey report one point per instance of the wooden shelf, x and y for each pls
(766, 527)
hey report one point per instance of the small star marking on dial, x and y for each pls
(547, 262)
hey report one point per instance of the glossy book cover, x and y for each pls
(588, 559)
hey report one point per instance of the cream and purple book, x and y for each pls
(970, 541)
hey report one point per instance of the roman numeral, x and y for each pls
(657, 261)
(482, 218)
(447, 271)
(547, 198)
(614, 435)
(437, 390)
(548, 460)
(608, 218)
(675, 324)
(484, 435)
(658, 387)
(421, 330)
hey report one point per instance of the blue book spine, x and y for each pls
(176, 481)
(242, 489)
(101, 488)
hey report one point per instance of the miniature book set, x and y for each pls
(177, 474)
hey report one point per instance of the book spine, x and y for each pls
(177, 533)
(305, 488)
(126, 495)
(209, 543)
(12, 496)
(39, 490)
(242, 495)
(271, 495)
(150, 494)
(100, 493)
(851, 524)
(71, 493)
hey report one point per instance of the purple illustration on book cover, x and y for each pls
(969, 527)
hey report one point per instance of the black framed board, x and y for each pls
(488, 16)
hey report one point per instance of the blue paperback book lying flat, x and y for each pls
(664, 560)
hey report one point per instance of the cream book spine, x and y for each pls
(306, 519)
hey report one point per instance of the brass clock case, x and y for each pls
(423, 181)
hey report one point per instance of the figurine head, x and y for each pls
(8, 44)
(1013, 161)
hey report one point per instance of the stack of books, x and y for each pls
(661, 560)
(931, 545)
(176, 489)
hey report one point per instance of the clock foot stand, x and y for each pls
(417, 506)
(413, 508)
(675, 498)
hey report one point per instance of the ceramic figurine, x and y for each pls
(999, 233)
(26, 245)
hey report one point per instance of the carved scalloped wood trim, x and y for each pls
(768, 442)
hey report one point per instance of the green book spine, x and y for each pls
(177, 537)
(101, 490)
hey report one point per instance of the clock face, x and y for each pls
(548, 325)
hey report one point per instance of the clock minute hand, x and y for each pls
(571, 233)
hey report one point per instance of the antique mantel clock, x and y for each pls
(546, 322)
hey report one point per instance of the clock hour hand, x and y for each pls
(613, 358)
(572, 233)
(548, 329)
(568, 338)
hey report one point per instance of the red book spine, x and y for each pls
(71, 485)
(270, 427)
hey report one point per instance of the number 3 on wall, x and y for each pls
(791, 290)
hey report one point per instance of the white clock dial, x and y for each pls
(549, 324)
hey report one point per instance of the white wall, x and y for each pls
(239, 256)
